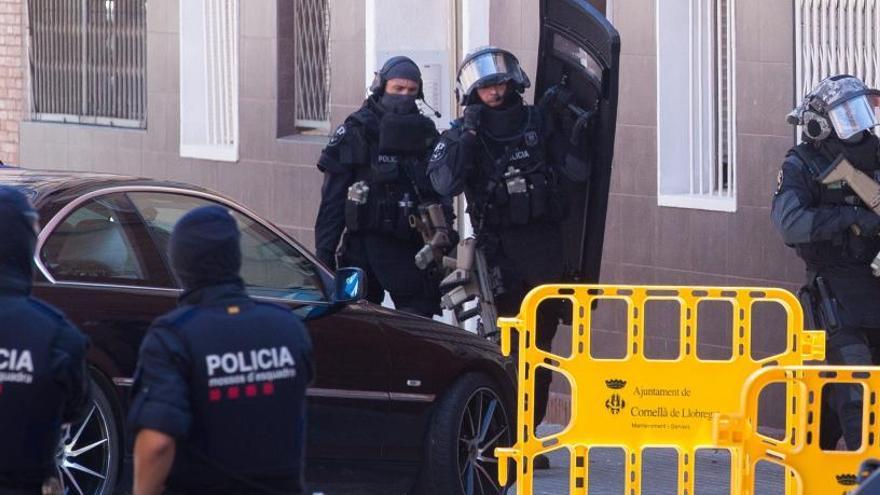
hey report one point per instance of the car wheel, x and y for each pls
(470, 421)
(88, 457)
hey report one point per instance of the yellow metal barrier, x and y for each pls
(635, 402)
(812, 470)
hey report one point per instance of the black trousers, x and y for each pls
(842, 404)
(389, 264)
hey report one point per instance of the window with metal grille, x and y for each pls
(209, 67)
(696, 112)
(312, 64)
(88, 61)
(839, 37)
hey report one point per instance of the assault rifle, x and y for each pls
(471, 279)
(431, 224)
(866, 188)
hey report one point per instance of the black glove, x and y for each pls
(471, 119)
(867, 222)
(556, 99)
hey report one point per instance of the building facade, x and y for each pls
(240, 96)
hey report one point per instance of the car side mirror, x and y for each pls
(351, 285)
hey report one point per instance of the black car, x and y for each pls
(400, 403)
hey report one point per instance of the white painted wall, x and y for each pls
(421, 31)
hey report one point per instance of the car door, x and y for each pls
(99, 266)
(348, 401)
(580, 50)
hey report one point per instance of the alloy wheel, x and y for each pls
(83, 459)
(483, 427)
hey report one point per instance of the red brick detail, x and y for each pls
(12, 83)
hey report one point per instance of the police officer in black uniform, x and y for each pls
(43, 381)
(220, 385)
(508, 157)
(374, 180)
(835, 234)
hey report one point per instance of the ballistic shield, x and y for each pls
(580, 51)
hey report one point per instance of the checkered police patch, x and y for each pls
(337, 136)
(439, 151)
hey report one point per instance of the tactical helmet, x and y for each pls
(487, 66)
(843, 103)
(386, 73)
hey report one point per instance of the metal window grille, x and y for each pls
(312, 46)
(221, 50)
(88, 61)
(698, 166)
(209, 79)
(836, 37)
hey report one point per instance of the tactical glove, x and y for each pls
(866, 222)
(472, 117)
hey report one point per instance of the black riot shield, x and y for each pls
(580, 49)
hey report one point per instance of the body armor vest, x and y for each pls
(513, 184)
(30, 400)
(847, 248)
(395, 185)
(244, 370)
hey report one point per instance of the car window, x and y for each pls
(96, 243)
(270, 266)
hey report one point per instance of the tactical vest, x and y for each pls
(847, 248)
(397, 185)
(30, 400)
(513, 184)
(247, 392)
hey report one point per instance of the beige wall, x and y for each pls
(275, 176)
(11, 79)
(649, 244)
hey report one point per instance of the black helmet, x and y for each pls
(397, 67)
(487, 66)
(843, 103)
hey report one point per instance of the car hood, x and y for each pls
(432, 329)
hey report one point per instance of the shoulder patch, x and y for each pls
(439, 151)
(779, 178)
(337, 136)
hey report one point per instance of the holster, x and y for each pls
(820, 305)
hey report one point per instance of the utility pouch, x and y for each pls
(405, 209)
(385, 168)
(402, 133)
(539, 196)
(518, 197)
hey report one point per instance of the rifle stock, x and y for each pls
(866, 188)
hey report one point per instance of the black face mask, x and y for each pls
(863, 154)
(400, 104)
(505, 120)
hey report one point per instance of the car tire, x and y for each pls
(89, 455)
(460, 457)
